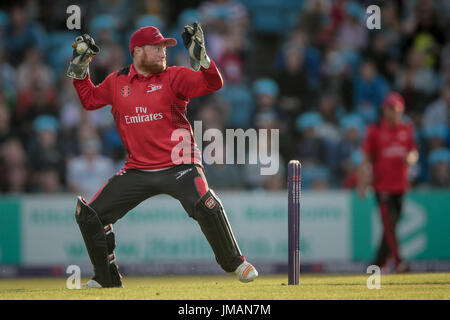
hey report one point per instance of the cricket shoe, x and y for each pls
(246, 272)
(387, 270)
(93, 284)
(403, 267)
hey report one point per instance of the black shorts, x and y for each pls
(128, 188)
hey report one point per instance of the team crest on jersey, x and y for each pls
(210, 203)
(126, 91)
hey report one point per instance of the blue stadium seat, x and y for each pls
(291, 4)
(268, 21)
(60, 49)
(313, 173)
(150, 20)
(273, 18)
(253, 4)
(241, 105)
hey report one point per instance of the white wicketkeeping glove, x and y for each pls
(194, 42)
(84, 49)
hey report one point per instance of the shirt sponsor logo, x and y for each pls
(153, 87)
(394, 151)
(141, 118)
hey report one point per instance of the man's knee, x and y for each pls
(106, 216)
(213, 221)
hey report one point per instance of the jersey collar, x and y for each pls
(386, 123)
(134, 74)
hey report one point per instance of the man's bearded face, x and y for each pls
(151, 58)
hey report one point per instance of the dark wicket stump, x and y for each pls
(294, 192)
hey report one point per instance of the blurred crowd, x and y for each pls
(311, 69)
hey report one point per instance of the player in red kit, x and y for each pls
(388, 149)
(149, 102)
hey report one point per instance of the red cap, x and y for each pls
(394, 100)
(149, 35)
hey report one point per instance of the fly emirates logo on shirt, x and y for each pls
(142, 116)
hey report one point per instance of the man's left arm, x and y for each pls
(413, 154)
(204, 77)
(187, 83)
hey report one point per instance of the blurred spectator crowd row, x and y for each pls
(311, 69)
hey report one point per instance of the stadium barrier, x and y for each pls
(339, 232)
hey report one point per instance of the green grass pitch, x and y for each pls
(435, 286)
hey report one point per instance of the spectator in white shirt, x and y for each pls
(87, 173)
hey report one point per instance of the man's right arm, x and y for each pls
(94, 97)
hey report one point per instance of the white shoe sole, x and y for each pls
(92, 284)
(246, 272)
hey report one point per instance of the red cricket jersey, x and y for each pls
(147, 111)
(387, 146)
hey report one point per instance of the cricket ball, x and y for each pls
(81, 47)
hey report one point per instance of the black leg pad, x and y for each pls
(213, 221)
(94, 238)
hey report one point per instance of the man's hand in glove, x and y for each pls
(194, 42)
(84, 49)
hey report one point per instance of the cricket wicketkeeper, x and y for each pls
(149, 101)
